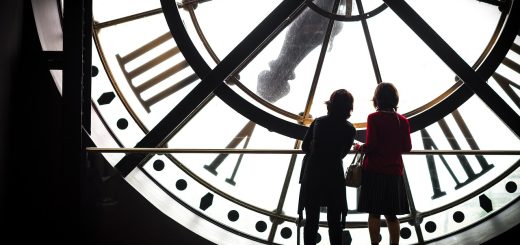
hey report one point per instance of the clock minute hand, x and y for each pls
(162, 131)
(457, 64)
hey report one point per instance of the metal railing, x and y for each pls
(286, 151)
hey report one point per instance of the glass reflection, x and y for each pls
(305, 34)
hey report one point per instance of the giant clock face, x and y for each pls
(229, 86)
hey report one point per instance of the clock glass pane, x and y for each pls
(289, 64)
(145, 63)
(255, 178)
(246, 196)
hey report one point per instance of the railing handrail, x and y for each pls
(285, 151)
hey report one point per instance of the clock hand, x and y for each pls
(325, 41)
(369, 43)
(162, 131)
(457, 64)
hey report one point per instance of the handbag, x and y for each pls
(354, 172)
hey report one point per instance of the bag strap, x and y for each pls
(361, 158)
(354, 159)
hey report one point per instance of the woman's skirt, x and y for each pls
(383, 194)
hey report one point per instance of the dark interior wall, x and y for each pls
(10, 22)
(32, 199)
(35, 201)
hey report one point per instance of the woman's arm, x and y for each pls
(407, 142)
(349, 141)
(371, 136)
(307, 140)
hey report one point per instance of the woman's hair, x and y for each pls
(385, 97)
(341, 103)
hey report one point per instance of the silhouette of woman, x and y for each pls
(382, 187)
(327, 141)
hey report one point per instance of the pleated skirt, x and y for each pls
(383, 194)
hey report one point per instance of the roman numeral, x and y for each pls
(243, 135)
(429, 144)
(176, 69)
(506, 84)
